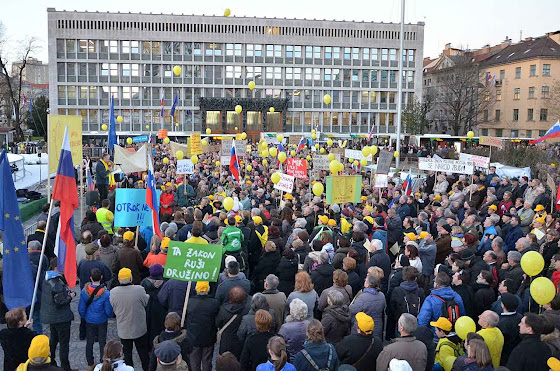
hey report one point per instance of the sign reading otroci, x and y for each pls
(193, 262)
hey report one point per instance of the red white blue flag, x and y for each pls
(407, 185)
(66, 191)
(371, 132)
(233, 162)
(152, 198)
(553, 132)
(301, 145)
(162, 104)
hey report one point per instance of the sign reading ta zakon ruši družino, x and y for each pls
(193, 262)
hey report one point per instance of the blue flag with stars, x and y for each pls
(17, 277)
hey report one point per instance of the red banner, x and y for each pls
(296, 167)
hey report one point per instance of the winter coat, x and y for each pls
(382, 260)
(464, 363)
(39, 235)
(531, 354)
(222, 291)
(354, 281)
(475, 267)
(345, 291)
(397, 299)
(353, 347)
(172, 295)
(394, 230)
(512, 236)
(336, 323)
(509, 326)
(277, 303)
(129, 257)
(339, 255)
(514, 273)
(549, 249)
(200, 322)
(319, 352)
(248, 326)
(155, 312)
(381, 234)
(107, 256)
(294, 334)
(372, 303)
(86, 266)
(286, 272)
(100, 309)
(552, 340)
(427, 252)
(404, 348)
(267, 265)
(129, 305)
(431, 308)
(443, 248)
(310, 298)
(553, 316)
(467, 294)
(184, 200)
(55, 300)
(360, 249)
(322, 277)
(484, 296)
(255, 350)
(15, 343)
(229, 341)
(179, 337)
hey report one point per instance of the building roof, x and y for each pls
(540, 47)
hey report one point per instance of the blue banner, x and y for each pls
(140, 139)
(131, 209)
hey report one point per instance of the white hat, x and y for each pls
(229, 259)
(398, 365)
(377, 244)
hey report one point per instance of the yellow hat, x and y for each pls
(211, 197)
(363, 198)
(128, 236)
(418, 194)
(365, 323)
(125, 275)
(423, 235)
(345, 226)
(39, 349)
(539, 207)
(162, 188)
(411, 236)
(288, 196)
(324, 219)
(165, 243)
(140, 181)
(442, 323)
(369, 219)
(257, 220)
(553, 363)
(493, 207)
(369, 207)
(168, 184)
(202, 286)
(331, 223)
(238, 219)
(437, 197)
(540, 220)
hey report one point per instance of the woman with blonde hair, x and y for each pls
(478, 355)
(278, 356)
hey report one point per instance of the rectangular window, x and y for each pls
(498, 94)
(308, 73)
(316, 52)
(365, 54)
(308, 52)
(328, 52)
(297, 73)
(347, 53)
(485, 115)
(328, 74)
(411, 55)
(374, 54)
(530, 114)
(502, 75)
(544, 114)
(384, 76)
(486, 96)
(289, 73)
(542, 133)
(529, 133)
(516, 93)
(393, 54)
(485, 132)
(517, 72)
(355, 53)
(355, 75)
(546, 69)
(533, 70)
(384, 54)
(515, 114)
(531, 92)
(336, 52)
(514, 133)
(545, 92)
(229, 49)
(499, 132)
(289, 51)
(498, 115)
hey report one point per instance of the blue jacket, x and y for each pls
(431, 308)
(513, 235)
(319, 352)
(270, 367)
(100, 309)
(381, 235)
(486, 242)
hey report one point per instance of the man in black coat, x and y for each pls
(531, 353)
(267, 265)
(201, 327)
(361, 349)
(512, 270)
(322, 277)
(509, 325)
(461, 286)
(474, 263)
(394, 228)
(382, 260)
(39, 235)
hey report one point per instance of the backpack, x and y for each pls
(449, 308)
(312, 362)
(411, 303)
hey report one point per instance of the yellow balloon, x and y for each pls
(463, 326)
(238, 109)
(356, 163)
(249, 168)
(275, 178)
(317, 146)
(236, 128)
(271, 110)
(366, 151)
(340, 166)
(327, 99)
(194, 159)
(470, 134)
(363, 162)
(227, 13)
(264, 144)
(313, 131)
(331, 156)
(373, 150)
(129, 140)
(119, 119)
(265, 162)
(396, 154)
(333, 166)
(265, 153)
(204, 142)
(273, 151)
(177, 70)
(208, 131)
(329, 142)
(251, 85)
(218, 163)
(243, 136)
(179, 154)
(542, 290)
(350, 160)
(318, 189)
(280, 137)
(228, 203)
(147, 127)
(165, 160)
(313, 136)
(293, 153)
(176, 124)
(282, 156)
(104, 127)
(322, 150)
(532, 263)
(166, 140)
(308, 158)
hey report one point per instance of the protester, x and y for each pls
(16, 338)
(316, 352)
(293, 331)
(278, 356)
(361, 349)
(174, 334)
(38, 356)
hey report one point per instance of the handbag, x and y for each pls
(221, 331)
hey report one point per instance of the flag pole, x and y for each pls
(82, 192)
(40, 261)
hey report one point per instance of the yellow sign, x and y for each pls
(196, 144)
(56, 125)
(343, 188)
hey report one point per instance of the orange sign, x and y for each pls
(162, 133)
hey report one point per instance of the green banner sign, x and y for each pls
(193, 262)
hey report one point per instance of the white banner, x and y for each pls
(356, 155)
(286, 183)
(240, 147)
(321, 162)
(381, 181)
(446, 166)
(185, 166)
(479, 161)
(131, 162)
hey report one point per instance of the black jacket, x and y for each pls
(354, 281)
(49, 246)
(93, 227)
(178, 337)
(254, 351)
(394, 230)
(484, 296)
(382, 260)
(339, 256)
(467, 294)
(267, 265)
(353, 347)
(531, 354)
(514, 273)
(55, 301)
(286, 273)
(336, 323)
(201, 320)
(15, 342)
(397, 302)
(476, 265)
(322, 277)
(230, 342)
(509, 326)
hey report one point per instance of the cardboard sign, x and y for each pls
(491, 141)
(294, 139)
(321, 162)
(479, 161)
(240, 147)
(162, 133)
(140, 139)
(446, 166)
(196, 144)
(131, 209)
(344, 188)
(193, 262)
(179, 147)
(356, 155)
(286, 183)
(384, 162)
(381, 181)
(185, 166)
(296, 167)
(56, 126)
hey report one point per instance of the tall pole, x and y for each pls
(399, 85)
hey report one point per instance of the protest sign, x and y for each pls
(479, 161)
(381, 181)
(196, 144)
(193, 262)
(296, 167)
(384, 162)
(240, 147)
(131, 209)
(286, 183)
(343, 188)
(356, 155)
(140, 139)
(185, 166)
(178, 147)
(321, 162)
(294, 139)
(491, 141)
(130, 161)
(446, 166)
(56, 126)
(162, 133)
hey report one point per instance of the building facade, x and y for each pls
(35, 72)
(293, 63)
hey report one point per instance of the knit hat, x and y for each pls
(165, 243)
(509, 301)
(442, 323)
(447, 227)
(229, 258)
(156, 270)
(365, 323)
(202, 286)
(324, 219)
(467, 255)
(379, 221)
(167, 352)
(411, 236)
(128, 236)
(39, 349)
(125, 275)
(331, 223)
(91, 248)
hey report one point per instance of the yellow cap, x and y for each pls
(125, 275)
(369, 219)
(168, 184)
(211, 197)
(411, 236)
(288, 196)
(437, 197)
(365, 323)
(202, 286)
(324, 219)
(423, 235)
(39, 348)
(493, 207)
(332, 223)
(163, 188)
(539, 207)
(257, 220)
(238, 219)
(128, 236)
(553, 363)
(442, 323)
(363, 198)
(539, 220)
(165, 242)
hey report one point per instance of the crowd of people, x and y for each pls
(305, 285)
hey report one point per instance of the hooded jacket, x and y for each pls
(229, 341)
(178, 337)
(286, 272)
(322, 277)
(397, 303)
(431, 308)
(319, 352)
(100, 309)
(427, 252)
(336, 323)
(294, 334)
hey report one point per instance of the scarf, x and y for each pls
(23, 366)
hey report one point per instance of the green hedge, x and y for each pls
(30, 209)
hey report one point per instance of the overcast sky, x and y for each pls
(471, 23)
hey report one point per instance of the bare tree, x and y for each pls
(14, 81)
(553, 103)
(415, 114)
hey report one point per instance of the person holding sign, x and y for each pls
(185, 193)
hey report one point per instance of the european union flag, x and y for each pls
(17, 278)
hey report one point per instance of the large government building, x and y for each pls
(294, 63)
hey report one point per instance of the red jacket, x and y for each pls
(166, 199)
(556, 279)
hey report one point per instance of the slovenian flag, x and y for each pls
(371, 132)
(407, 185)
(152, 198)
(162, 103)
(553, 132)
(301, 145)
(174, 106)
(233, 162)
(66, 191)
